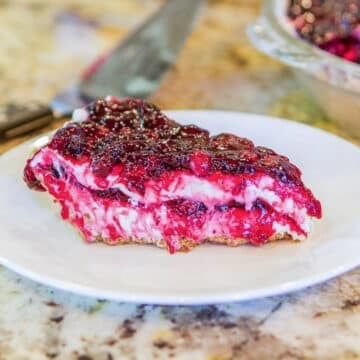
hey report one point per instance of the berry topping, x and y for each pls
(136, 135)
(231, 142)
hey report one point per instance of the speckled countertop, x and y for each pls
(44, 44)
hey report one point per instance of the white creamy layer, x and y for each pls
(184, 186)
(141, 225)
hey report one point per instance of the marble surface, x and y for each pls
(44, 46)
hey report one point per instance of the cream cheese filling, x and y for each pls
(185, 186)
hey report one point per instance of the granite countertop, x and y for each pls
(44, 46)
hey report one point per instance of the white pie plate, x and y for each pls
(37, 244)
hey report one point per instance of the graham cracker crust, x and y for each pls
(186, 244)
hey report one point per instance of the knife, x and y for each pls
(133, 68)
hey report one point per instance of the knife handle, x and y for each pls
(17, 119)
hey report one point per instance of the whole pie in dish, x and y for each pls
(332, 25)
(123, 172)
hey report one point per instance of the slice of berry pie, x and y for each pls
(123, 172)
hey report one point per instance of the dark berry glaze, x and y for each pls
(332, 25)
(138, 140)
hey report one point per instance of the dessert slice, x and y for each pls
(123, 172)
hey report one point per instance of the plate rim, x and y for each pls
(177, 300)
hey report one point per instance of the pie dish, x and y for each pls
(333, 82)
(123, 172)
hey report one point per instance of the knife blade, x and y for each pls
(133, 68)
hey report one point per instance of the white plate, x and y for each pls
(36, 243)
